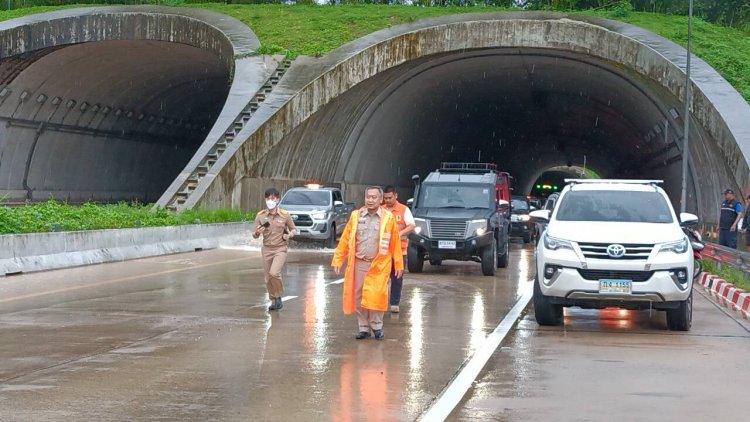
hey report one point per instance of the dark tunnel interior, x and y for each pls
(105, 121)
(528, 110)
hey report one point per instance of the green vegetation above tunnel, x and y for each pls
(316, 30)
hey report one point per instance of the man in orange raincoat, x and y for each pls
(371, 243)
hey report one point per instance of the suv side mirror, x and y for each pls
(533, 208)
(540, 216)
(338, 204)
(687, 219)
(410, 202)
(503, 203)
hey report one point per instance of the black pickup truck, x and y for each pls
(462, 211)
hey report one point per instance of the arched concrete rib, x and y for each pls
(312, 84)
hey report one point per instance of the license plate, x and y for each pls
(446, 244)
(616, 286)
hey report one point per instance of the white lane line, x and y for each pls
(339, 281)
(451, 395)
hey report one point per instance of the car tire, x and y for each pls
(546, 313)
(527, 238)
(330, 242)
(414, 259)
(504, 256)
(489, 259)
(681, 318)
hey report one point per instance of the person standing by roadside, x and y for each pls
(405, 223)
(371, 247)
(277, 228)
(746, 223)
(729, 215)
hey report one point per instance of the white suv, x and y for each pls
(614, 243)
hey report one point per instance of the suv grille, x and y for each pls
(448, 229)
(599, 251)
(635, 276)
(302, 220)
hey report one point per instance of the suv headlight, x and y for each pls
(423, 227)
(553, 243)
(476, 228)
(320, 215)
(680, 246)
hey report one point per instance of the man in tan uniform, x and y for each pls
(277, 228)
(371, 244)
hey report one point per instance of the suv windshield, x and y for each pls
(519, 205)
(307, 197)
(614, 206)
(455, 196)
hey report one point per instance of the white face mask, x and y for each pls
(271, 204)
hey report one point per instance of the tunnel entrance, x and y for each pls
(106, 120)
(528, 110)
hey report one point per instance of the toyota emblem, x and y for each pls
(616, 251)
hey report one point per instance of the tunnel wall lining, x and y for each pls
(227, 38)
(315, 83)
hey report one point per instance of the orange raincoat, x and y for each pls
(375, 288)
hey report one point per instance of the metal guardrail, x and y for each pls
(732, 258)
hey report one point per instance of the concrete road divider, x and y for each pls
(726, 293)
(21, 253)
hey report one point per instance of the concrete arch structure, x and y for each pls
(559, 87)
(110, 103)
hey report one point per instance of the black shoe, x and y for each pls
(279, 303)
(379, 334)
(362, 335)
(274, 304)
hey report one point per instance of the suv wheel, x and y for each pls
(331, 241)
(489, 259)
(681, 318)
(527, 238)
(545, 312)
(414, 259)
(503, 254)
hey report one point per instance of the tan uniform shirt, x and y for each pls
(273, 235)
(368, 233)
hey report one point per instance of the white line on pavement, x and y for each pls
(449, 398)
(339, 281)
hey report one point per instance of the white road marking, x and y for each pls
(451, 395)
(339, 281)
(285, 298)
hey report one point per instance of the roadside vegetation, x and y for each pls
(308, 29)
(736, 277)
(55, 216)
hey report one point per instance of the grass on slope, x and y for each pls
(55, 216)
(316, 30)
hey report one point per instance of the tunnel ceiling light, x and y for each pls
(84, 106)
(161, 120)
(129, 114)
(24, 95)
(118, 112)
(56, 101)
(106, 110)
(170, 121)
(674, 113)
(71, 103)
(657, 128)
(4, 92)
(41, 98)
(96, 108)
(141, 116)
(151, 118)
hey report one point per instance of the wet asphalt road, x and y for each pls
(617, 365)
(187, 337)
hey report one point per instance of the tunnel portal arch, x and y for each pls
(366, 103)
(110, 103)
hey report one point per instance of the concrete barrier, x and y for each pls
(20, 253)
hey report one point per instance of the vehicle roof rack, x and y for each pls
(614, 181)
(447, 167)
